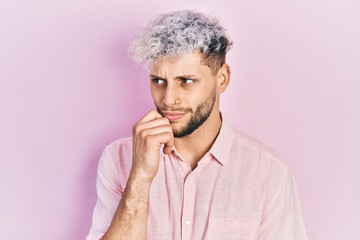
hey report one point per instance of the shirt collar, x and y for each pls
(222, 145)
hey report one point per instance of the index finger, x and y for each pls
(151, 115)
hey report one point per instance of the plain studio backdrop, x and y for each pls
(68, 88)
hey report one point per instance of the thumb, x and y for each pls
(167, 149)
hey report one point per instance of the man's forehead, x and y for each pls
(189, 64)
(166, 73)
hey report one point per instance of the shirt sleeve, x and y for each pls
(109, 192)
(282, 218)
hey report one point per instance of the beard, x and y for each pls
(202, 113)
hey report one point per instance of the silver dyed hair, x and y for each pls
(179, 33)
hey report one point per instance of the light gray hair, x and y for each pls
(180, 33)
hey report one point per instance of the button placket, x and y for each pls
(188, 207)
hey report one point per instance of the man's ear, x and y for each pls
(223, 78)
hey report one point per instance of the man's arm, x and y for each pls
(130, 219)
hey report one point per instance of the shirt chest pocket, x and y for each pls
(228, 229)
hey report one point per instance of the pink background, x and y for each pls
(68, 89)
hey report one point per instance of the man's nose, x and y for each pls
(171, 96)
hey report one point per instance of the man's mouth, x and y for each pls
(173, 116)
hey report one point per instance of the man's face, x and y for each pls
(189, 83)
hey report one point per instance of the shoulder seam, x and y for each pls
(281, 184)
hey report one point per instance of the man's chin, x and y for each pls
(179, 135)
(178, 129)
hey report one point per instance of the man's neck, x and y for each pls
(194, 146)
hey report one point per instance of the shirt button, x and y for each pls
(187, 221)
(189, 179)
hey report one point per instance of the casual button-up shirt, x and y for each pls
(240, 190)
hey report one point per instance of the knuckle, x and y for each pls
(136, 129)
(166, 120)
(143, 134)
(148, 139)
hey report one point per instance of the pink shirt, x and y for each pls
(240, 190)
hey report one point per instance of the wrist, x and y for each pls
(136, 194)
(139, 177)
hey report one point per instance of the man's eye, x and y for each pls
(188, 81)
(158, 81)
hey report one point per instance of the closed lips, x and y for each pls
(173, 116)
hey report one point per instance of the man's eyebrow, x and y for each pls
(155, 77)
(181, 77)
(186, 76)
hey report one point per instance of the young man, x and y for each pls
(186, 173)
